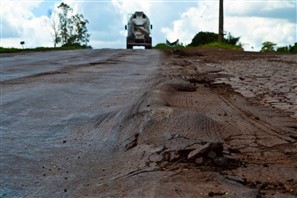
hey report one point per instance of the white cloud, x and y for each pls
(239, 21)
(259, 30)
(201, 18)
(254, 21)
(126, 7)
(19, 18)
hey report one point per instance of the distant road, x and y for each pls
(17, 65)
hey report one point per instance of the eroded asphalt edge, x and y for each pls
(156, 109)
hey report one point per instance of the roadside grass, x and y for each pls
(224, 46)
(164, 46)
(37, 49)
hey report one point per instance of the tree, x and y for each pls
(78, 32)
(69, 29)
(53, 16)
(268, 46)
(64, 22)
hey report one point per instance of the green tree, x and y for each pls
(79, 33)
(268, 46)
(65, 24)
(70, 29)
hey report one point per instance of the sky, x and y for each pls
(254, 21)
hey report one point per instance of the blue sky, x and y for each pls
(254, 21)
(43, 8)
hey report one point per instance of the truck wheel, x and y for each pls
(129, 47)
(148, 47)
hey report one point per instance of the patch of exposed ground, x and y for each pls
(270, 79)
(196, 136)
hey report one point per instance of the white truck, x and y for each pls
(139, 31)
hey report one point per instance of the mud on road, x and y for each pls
(198, 123)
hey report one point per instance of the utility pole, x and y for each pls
(221, 22)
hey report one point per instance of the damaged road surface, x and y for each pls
(139, 123)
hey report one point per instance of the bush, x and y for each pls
(293, 49)
(231, 39)
(287, 49)
(161, 46)
(283, 49)
(203, 38)
(76, 46)
(164, 46)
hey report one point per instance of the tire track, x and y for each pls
(262, 126)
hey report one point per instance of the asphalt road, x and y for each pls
(143, 123)
(60, 116)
